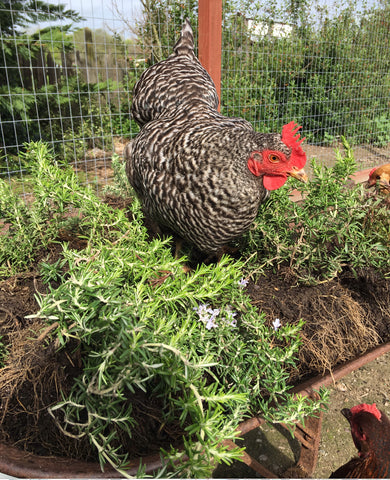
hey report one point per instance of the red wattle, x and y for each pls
(273, 182)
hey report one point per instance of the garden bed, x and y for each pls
(37, 376)
(344, 315)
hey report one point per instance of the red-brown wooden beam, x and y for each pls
(210, 39)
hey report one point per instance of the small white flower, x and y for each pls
(276, 324)
(211, 323)
(213, 312)
(243, 282)
(231, 314)
(202, 308)
(233, 323)
(207, 315)
(230, 317)
(202, 311)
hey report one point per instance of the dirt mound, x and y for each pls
(35, 373)
(344, 317)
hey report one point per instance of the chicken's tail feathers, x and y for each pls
(185, 44)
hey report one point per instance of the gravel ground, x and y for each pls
(368, 384)
(277, 451)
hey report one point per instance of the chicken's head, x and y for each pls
(274, 166)
(380, 177)
(362, 419)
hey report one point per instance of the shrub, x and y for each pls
(191, 343)
(338, 224)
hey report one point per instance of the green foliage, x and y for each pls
(21, 52)
(120, 186)
(75, 116)
(381, 135)
(331, 72)
(13, 258)
(192, 343)
(332, 75)
(160, 28)
(76, 107)
(56, 193)
(337, 225)
(21, 13)
(3, 352)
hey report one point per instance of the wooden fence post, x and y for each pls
(210, 39)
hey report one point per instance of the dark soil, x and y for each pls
(36, 371)
(343, 318)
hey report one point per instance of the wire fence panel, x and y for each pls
(68, 83)
(67, 71)
(327, 70)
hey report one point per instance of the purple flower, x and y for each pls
(243, 282)
(230, 316)
(213, 312)
(209, 316)
(211, 323)
(202, 310)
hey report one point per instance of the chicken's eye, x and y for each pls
(273, 158)
(378, 177)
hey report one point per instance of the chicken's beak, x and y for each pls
(299, 175)
(347, 413)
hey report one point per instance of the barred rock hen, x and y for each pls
(370, 429)
(197, 173)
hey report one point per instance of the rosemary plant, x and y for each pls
(193, 343)
(338, 224)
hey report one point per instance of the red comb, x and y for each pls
(364, 407)
(293, 140)
(372, 171)
(289, 137)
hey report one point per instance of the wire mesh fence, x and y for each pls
(67, 71)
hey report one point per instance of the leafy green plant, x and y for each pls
(337, 225)
(56, 194)
(192, 343)
(120, 186)
(382, 131)
(18, 243)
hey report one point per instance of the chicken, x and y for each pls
(379, 177)
(198, 174)
(370, 429)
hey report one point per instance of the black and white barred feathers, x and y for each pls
(173, 84)
(189, 165)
